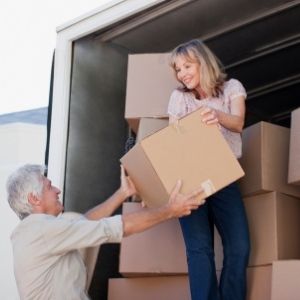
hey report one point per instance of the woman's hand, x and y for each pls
(127, 186)
(209, 116)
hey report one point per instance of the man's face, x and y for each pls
(50, 203)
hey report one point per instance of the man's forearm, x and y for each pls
(142, 220)
(106, 208)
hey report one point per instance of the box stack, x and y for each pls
(150, 82)
(157, 255)
(273, 210)
(294, 158)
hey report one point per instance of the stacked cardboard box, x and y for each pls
(150, 82)
(273, 210)
(294, 157)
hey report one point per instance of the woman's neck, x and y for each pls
(199, 93)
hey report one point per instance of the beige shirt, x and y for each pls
(183, 103)
(47, 263)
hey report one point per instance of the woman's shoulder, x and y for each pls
(234, 87)
(232, 82)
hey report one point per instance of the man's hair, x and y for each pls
(25, 180)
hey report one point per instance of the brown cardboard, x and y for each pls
(150, 288)
(285, 280)
(274, 225)
(259, 283)
(276, 281)
(150, 82)
(265, 160)
(156, 251)
(294, 155)
(189, 150)
(148, 126)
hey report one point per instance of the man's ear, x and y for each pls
(33, 199)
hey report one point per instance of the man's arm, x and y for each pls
(179, 205)
(106, 208)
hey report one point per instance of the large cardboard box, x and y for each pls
(156, 251)
(276, 281)
(274, 225)
(150, 82)
(294, 155)
(265, 160)
(150, 288)
(189, 150)
(148, 126)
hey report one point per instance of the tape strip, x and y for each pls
(208, 187)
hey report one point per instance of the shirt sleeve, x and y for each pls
(63, 235)
(235, 89)
(176, 107)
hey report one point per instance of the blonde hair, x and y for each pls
(212, 74)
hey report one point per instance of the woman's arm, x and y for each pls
(233, 121)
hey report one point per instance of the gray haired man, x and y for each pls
(47, 262)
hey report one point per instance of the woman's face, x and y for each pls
(187, 72)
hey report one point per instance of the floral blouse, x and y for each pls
(182, 103)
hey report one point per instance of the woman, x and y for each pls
(223, 103)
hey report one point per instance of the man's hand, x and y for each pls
(127, 186)
(182, 205)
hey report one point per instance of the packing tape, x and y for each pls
(208, 187)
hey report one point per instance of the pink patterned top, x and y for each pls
(182, 103)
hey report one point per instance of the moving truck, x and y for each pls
(258, 42)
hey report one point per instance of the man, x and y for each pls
(47, 262)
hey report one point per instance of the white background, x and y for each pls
(28, 37)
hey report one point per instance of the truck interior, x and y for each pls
(257, 41)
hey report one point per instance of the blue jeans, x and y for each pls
(226, 210)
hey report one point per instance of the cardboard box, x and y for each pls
(274, 225)
(259, 282)
(148, 126)
(294, 155)
(156, 251)
(150, 82)
(265, 160)
(190, 150)
(276, 281)
(285, 280)
(150, 288)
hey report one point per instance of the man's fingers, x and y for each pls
(176, 188)
(195, 193)
(123, 175)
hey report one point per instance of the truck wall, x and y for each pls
(96, 139)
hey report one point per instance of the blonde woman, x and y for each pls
(204, 85)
